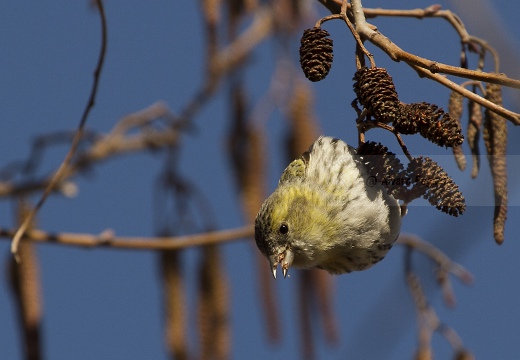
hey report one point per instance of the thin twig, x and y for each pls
(367, 125)
(343, 16)
(427, 318)
(120, 140)
(75, 141)
(510, 115)
(436, 255)
(474, 83)
(432, 11)
(228, 59)
(398, 54)
(107, 239)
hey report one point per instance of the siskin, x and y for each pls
(327, 212)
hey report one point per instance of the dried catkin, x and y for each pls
(455, 108)
(495, 139)
(473, 135)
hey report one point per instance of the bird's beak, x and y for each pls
(285, 260)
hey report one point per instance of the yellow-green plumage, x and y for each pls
(323, 214)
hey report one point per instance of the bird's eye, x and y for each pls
(284, 229)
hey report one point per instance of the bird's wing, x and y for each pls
(296, 169)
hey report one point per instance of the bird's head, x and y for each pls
(285, 227)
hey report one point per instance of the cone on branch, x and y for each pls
(383, 165)
(375, 90)
(431, 122)
(316, 53)
(436, 186)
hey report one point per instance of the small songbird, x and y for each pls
(327, 212)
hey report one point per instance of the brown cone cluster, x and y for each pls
(316, 53)
(422, 178)
(375, 90)
(433, 184)
(431, 122)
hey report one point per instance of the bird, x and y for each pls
(327, 212)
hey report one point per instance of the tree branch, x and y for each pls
(75, 141)
(426, 67)
(107, 239)
(117, 142)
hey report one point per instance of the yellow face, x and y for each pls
(295, 221)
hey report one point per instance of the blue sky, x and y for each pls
(106, 304)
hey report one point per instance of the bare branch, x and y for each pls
(436, 255)
(108, 240)
(426, 67)
(433, 11)
(75, 141)
(427, 318)
(510, 115)
(228, 59)
(116, 142)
